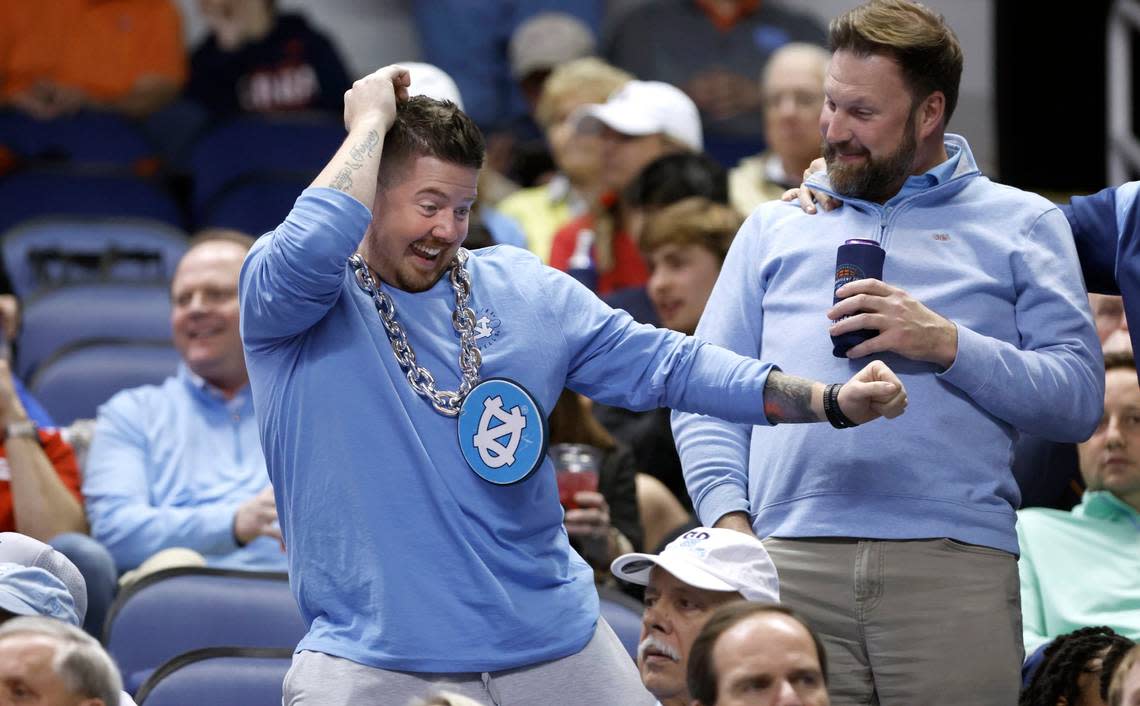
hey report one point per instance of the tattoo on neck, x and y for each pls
(788, 398)
(362, 150)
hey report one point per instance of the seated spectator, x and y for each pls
(40, 493)
(179, 465)
(36, 580)
(1076, 669)
(51, 663)
(538, 46)
(685, 244)
(257, 60)
(1047, 472)
(602, 524)
(791, 92)
(750, 654)
(702, 569)
(68, 55)
(642, 121)
(542, 210)
(1077, 568)
(1125, 687)
(713, 49)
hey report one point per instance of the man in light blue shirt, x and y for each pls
(179, 465)
(1082, 568)
(979, 306)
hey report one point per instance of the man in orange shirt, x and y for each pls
(61, 56)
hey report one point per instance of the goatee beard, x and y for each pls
(875, 180)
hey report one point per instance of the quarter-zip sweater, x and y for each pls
(999, 263)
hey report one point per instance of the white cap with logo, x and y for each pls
(645, 108)
(711, 558)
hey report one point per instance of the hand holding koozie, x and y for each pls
(855, 259)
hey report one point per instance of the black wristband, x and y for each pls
(831, 409)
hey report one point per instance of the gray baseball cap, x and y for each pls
(16, 548)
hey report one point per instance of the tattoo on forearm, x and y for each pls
(787, 398)
(356, 156)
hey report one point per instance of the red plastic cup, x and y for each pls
(575, 469)
(571, 482)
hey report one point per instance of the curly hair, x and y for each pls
(1067, 657)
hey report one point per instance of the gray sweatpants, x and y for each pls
(602, 674)
(931, 622)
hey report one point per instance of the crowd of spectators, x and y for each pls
(648, 161)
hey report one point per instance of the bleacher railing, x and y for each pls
(1123, 146)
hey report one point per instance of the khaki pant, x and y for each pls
(908, 623)
(602, 674)
(174, 558)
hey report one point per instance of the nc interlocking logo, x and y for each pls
(487, 328)
(502, 431)
(511, 424)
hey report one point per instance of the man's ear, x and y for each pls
(931, 115)
(1062, 701)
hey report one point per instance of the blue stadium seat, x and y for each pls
(219, 676)
(82, 192)
(178, 610)
(86, 137)
(254, 146)
(50, 252)
(254, 205)
(623, 613)
(69, 316)
(73, 383)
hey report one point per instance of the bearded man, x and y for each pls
(981, 310)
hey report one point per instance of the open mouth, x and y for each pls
(425, 252)
(205, 333)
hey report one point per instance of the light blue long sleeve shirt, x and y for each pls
(399, 555)
(999, 263)
(1079, 568)
(169, 466)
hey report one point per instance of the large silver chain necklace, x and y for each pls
(463, 319)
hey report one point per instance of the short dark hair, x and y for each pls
(692, 221)
(701, 677)
(673, 177)
(426, 127)
(912, 34)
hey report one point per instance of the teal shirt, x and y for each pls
(1079, 568)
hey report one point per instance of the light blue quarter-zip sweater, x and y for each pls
(999, 263)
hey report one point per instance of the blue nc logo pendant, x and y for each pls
(502, 431)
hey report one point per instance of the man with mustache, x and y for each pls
(400, 383)
(981, 306)
(695, 573)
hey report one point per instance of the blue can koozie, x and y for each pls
(856, 259)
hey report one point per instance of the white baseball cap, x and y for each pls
(710, 558)
(431, 81)
(644, 108)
